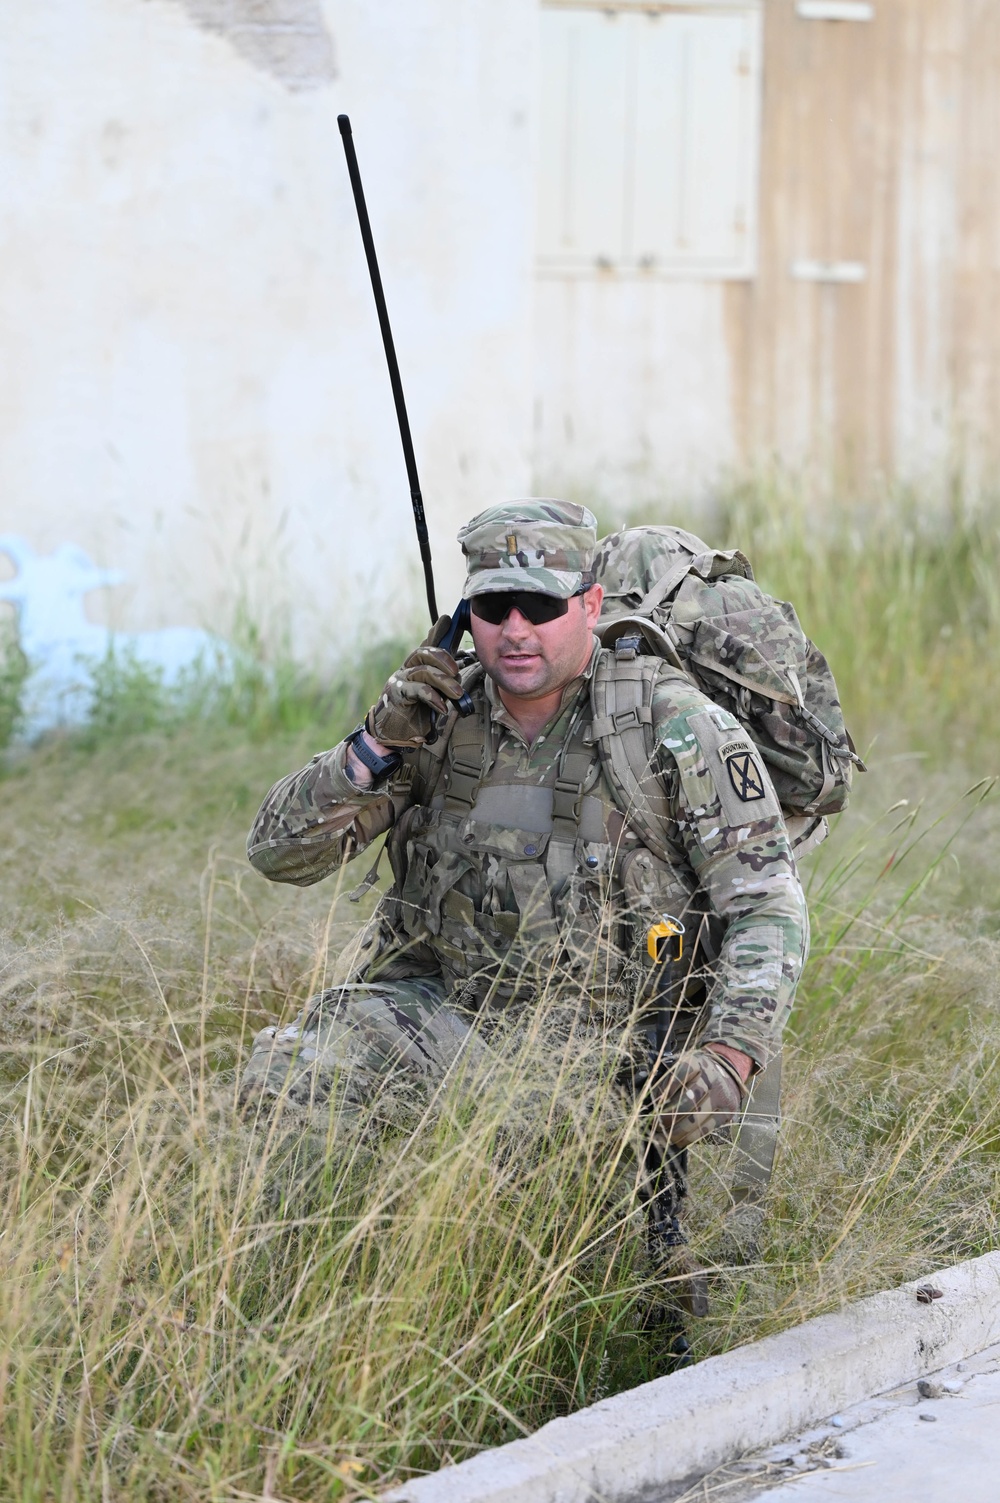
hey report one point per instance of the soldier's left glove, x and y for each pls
(702, 1092)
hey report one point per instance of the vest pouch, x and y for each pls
(589, 921)
(435, 911)
(517, 881)
(430, 876)
(651, 887)
(503, 844)
(583, 898)
(595, 858)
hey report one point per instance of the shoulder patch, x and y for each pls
(737, 770)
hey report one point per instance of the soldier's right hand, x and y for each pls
(420, 690)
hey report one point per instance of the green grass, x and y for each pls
(195, 1309)
(13, 676)
(261, 691)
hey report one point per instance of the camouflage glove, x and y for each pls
(702, 1092)
(416, 693)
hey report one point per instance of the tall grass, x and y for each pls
(195, 1306)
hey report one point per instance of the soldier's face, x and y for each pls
(532, 661)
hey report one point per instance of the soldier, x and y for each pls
(512, 860)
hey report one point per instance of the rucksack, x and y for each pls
(669, 596)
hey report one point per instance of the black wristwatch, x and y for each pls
(379, 767)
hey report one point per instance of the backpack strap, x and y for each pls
(660, 640)
(621, 698)
(664, 586)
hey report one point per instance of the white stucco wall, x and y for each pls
(193, 389)
(633, 391)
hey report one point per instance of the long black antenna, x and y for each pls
(416, 498)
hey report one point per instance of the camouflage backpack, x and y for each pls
(669, 596)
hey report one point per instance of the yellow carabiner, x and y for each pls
(658, 940)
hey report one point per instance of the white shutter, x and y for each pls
(649, 141)
(583, 127)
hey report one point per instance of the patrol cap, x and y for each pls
(542, 545)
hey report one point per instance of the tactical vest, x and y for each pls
(509, 880)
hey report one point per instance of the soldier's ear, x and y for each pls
(592, 602)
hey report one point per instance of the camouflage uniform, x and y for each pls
(515, 873)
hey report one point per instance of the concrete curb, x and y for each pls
(643, 1443)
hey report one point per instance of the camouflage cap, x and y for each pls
(540, 545)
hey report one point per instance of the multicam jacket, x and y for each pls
(515, 869)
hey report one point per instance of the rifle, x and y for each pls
(460, 617)
(666, 1169)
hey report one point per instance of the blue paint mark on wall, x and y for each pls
(59, 642)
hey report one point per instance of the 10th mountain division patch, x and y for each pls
(745, 774)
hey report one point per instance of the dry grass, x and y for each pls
(192, 1308)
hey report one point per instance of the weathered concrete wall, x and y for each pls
(288, 38)
(878, 147)
(193, 389)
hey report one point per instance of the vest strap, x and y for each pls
(424, 767)
(465, 760)
(575, 772)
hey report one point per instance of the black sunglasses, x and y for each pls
(497, 605)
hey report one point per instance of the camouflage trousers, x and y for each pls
(359, 1036)
(355, 1036)
(361, 1045)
